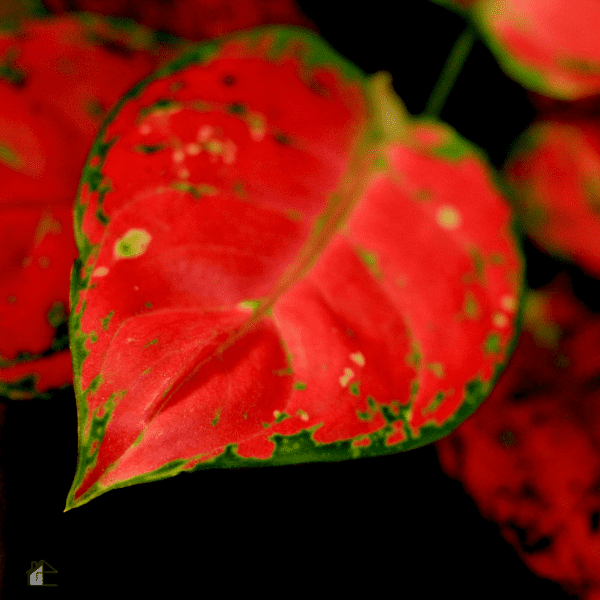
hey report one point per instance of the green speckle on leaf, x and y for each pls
(9, 157)
(414, 357)
(434, 403)
(370, 259)
(492, 343)
(202, 189)
(508, 439)
(216, 417)
(9, 70)
(236, 109)
(94, 108)
(283, 372)
(132, 244)
(414, 388)
(101, 216)
(57, 315)
(93, 337)
(107, 319)
(280, 416)
(151, 343)
(299, 385)
(148, 149)
(159, 105)
(471, 308)
(249, 305)
(380, 163)
(354, 388)
(371, 410)
(239, 190)
(437, 369)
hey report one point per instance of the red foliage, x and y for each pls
(530, 455)
(554, 172)
(193, 19)
(58, 78)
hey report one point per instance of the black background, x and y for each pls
(388, 527)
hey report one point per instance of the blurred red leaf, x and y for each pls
(193, 19)
(549, 46)
(530, 456)
(58, 78)
(554, 174)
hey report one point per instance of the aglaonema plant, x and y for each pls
(277, 264)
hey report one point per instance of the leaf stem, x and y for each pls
(450, 71)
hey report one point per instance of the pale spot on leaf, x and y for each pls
(448, 217)
(100, 272)
(193, 149)
(204, 133)
(358, 358)
(133, 244)
(500, 320)
(508, 303)
(302, 414)
(346, 377)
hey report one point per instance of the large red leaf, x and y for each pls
(554, 173)
(530, 455)
(277, 266)
(58, 77)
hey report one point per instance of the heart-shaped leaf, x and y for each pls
(57, 78)
(554, 173)
(277, 266)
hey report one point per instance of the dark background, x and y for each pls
(388, 527)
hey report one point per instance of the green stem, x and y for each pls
(452, 68)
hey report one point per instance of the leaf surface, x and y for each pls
(278, 266)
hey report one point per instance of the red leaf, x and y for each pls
(57, 78)
(549, 46)
(261, 282)
(193, 19)
(555, 175)
(529, 456)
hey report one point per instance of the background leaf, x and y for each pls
(554, 173)
(58, 77)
